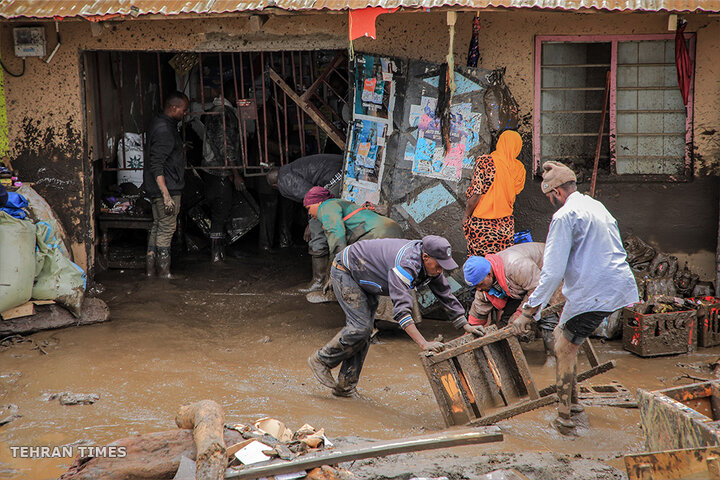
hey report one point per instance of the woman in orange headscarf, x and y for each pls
(497, 179)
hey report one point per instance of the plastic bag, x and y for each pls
(57, 277)
(17, 246)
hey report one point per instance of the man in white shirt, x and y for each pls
(584, 249)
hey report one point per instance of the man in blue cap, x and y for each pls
(392, 267)
(504, 281)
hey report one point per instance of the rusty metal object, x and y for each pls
(675, 464)
(708, 321)
(680, 417)
(653, 334)
(107, 9)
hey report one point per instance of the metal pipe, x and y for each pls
(301, 128)
(242, 121)
(122, 108)
(202, 84)
(257, 123)
(285, 110)
(160, 85)
(264, 97)
(100, 110)
(277, 113)
(142, 110)
(313, 62)
(222, 99)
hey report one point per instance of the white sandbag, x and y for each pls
(58, 278)
(17, 261)
(41, 211)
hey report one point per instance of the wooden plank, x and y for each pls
(331, 130)
(321, 78)
(455, 380)
(437, 391)
(471, 345)
(495, 373)
(602, 368)
(590, 352)
(376, 449)
(516, 409)
(24, 310)
(477, 381)
(672, 464)
(523, 368)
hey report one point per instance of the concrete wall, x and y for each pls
(45, 108)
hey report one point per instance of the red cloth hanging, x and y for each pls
(683, 64)
(362, 21)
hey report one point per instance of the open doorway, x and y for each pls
(288, 104)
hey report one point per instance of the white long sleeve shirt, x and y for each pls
(584, 249)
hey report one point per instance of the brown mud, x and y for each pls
(240, 334)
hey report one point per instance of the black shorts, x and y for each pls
(580, 327)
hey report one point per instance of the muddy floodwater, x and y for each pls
(240, 334)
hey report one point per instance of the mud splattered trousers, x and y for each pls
(163, 226)
(350, 345)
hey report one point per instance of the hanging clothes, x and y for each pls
(683, 63)
(474, 50)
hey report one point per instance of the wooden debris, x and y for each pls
(48, 317)
(206, 419)
(674, 464)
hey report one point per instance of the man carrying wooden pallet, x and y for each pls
(386, 266)
(583, 249)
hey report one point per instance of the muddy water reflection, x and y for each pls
(204, 337)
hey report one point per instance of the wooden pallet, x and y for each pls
(482, 380)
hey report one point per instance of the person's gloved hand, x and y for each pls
(474, 329)
(306, 235)
(238, 182)
(169, 205)
(521, 324)
(327, 287)
(435, 347)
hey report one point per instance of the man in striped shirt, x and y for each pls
(392, 267)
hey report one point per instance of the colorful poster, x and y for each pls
(366, 151)
(374, 83)
(429, 157)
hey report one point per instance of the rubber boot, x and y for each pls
(217, 250)
(319, 268)
(549, 342)
(150, 262)
(163, 263)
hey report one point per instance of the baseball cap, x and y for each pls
(439, 249)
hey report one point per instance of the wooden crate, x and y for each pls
(482, 380)
(708, 321)
(653, 334)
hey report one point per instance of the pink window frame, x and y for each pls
(613, 40)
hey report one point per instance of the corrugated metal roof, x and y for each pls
(101, 8)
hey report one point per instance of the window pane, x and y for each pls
(650, 122)
(573, 77)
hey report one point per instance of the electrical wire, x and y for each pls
(11, 73)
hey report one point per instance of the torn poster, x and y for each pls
(366, 151)
(427, 155)
(374, 81)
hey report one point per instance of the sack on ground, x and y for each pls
(57, 277)
(17, 258)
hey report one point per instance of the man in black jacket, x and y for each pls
(294, 181)
(163, 180)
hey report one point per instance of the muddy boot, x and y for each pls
(339, 391)
(575, 405)
(564, 424)
(150, 262)
(549, 342)
(217, 250)
(163, 263)
(321, 371)
(320, 297)
(320, 269)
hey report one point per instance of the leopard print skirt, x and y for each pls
(489, 235)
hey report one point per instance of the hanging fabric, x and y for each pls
(683, 63)
(362, 21)
(474, 50)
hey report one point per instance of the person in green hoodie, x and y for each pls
(344, 223)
